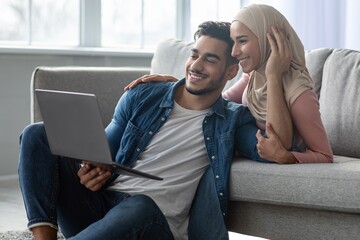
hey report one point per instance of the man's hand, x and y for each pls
(93, 178)
(270, 148)
(281, 53)
(151, 78)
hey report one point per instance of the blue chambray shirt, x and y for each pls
(142, 111)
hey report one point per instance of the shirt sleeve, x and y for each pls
(235, 92)
(245, 136)
(306, 117)
(116, 128)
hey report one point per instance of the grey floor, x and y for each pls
(12, 211)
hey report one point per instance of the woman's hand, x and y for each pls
(151, 78)
(281, 54)
(270, 148)
(93, 178)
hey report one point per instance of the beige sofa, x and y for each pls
(307, 201)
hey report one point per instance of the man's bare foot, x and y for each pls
(44, 233)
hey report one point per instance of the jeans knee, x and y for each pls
(32, 132)
(144, 203)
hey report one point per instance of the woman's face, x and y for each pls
(246, 47)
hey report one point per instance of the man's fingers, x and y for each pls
(97, 179)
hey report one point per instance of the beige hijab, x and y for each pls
(259, 19)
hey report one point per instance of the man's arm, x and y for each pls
(116, 128)
(94, 177)
(245, 136)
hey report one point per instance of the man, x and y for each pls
(184, 132)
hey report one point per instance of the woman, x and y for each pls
(280, 98)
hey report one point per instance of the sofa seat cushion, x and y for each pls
(320, 186)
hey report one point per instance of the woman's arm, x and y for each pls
(307, 120)
(236, 92)
(151, 78)
(278, 114)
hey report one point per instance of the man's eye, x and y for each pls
(211, 60)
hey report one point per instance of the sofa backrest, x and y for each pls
(107, 83)
(339, 101)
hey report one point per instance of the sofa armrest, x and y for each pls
(107, 83)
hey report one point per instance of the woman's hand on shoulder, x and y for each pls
(151, 78)
(281, 53)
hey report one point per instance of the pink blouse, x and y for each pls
(306, 118)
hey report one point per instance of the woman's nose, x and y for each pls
(235, 51)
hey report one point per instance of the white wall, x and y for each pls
(15, 74)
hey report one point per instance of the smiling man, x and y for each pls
(184, 132)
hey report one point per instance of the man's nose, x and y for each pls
(198, 64)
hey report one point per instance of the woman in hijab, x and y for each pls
(276, 86)
(294, 94)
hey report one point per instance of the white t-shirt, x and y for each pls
(178, 154)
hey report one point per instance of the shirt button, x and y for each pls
(223, 214)
(221, 194)
(212, 157)
(217, 176)
(205, 121)
(208, 138)
(162, 119)
(150, 133)
(138, 149)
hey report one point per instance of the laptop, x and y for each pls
(75, 130)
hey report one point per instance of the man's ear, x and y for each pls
(232, 71)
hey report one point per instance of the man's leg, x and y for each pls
(52, 191)
(37, 168)
(45, 180)
(135, 217)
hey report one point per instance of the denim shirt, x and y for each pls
(142, 111)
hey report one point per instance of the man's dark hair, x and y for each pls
(218, 30)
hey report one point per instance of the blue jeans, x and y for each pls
(54, 196)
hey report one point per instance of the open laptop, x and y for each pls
(75, 130)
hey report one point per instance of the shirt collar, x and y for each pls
(168, 100)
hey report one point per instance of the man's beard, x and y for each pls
(200, 91)
(215, 85)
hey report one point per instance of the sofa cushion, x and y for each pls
(176, 52)
(315, 60)
(320, 186)
(339, 107)
(107, 83)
